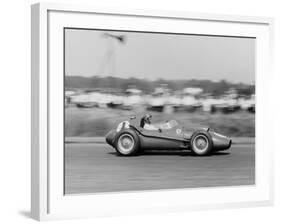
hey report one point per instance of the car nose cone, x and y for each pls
(229, 145)
(110, 137)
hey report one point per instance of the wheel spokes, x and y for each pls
(126, 143)
(201, 142)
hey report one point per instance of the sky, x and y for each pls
(154, 55)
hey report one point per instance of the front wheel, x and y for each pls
(201, 143)
(127, 144)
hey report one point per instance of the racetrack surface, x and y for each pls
(92, 168)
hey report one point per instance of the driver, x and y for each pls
(145, 120)
(145, 123)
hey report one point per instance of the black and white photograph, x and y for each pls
(156, 111)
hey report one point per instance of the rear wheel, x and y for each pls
(201, 143)
(127, 144)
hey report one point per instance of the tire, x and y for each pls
(127, 143)
(201, 143)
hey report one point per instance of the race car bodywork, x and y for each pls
(129, 139)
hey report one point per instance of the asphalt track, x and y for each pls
(93, 168)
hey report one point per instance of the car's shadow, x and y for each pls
(171, 153)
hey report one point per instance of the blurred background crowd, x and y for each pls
(160, 96)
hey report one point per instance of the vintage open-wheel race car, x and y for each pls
(132, 137)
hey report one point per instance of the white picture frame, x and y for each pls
(48, 200)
